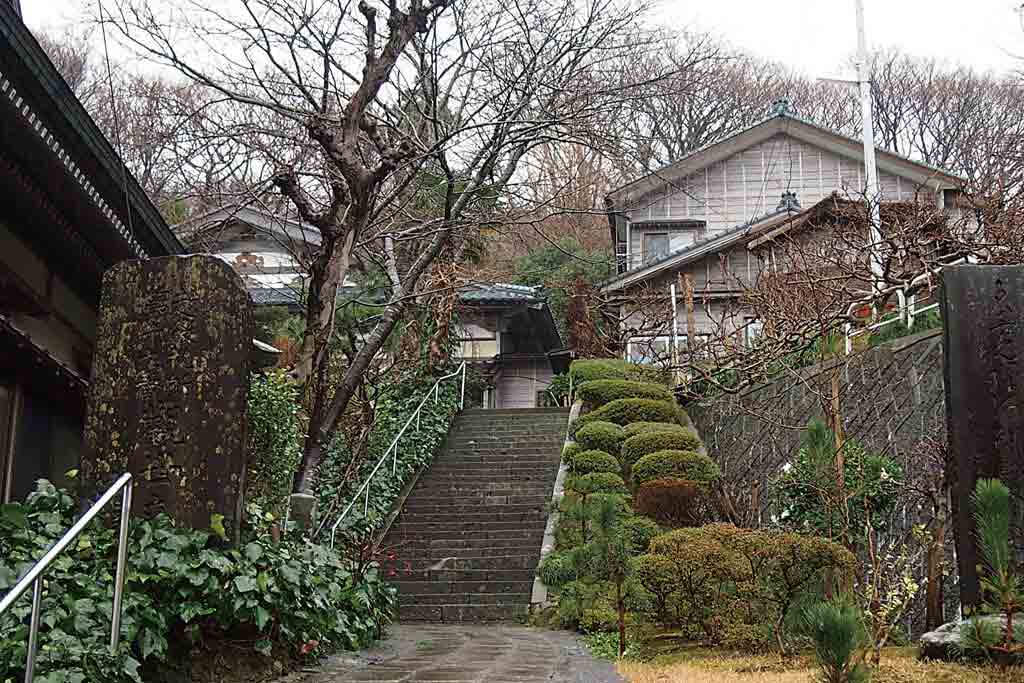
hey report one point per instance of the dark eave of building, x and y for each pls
(58, 148)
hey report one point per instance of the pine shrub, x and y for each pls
(601, 391)
(600, 436)
(675, 464)
(645, 443)
(557, 569)
(570, 451)
(639, 531)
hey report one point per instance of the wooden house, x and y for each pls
(706, 216)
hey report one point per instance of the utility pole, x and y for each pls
(874, 196)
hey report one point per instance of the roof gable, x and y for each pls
(782, 122)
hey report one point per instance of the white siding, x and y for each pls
(519, 382)
(750, 184)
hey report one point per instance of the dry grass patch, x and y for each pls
(898, 666)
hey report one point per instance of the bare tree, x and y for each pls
(406, 124)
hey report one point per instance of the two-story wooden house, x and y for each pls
(707, 216)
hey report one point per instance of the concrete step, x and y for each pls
(409, 599)
(409, 588)
(436, 553)
(475, 518)
(467, 575)
(449, 546)
(454, 563)
(400, 535)
(452, 614)
(412, 509)
(452, 526)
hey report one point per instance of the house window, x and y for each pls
(651, 350)
(655, 245)
(751, 330)
(477, 341)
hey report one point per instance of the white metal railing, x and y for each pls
(392, 450)
(909, 319)
(34, 576)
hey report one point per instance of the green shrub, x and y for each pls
(557, 569)
(179, 581)
(589, 370)
(673, 502)
(837, 631)
(640, 531)
(596, 482)
(600, 436)
(738, 585)
(600, 391)
(675, 464)
(570, 451)
(634, 428)
(586, 462)
(645, 443)
(625, 410)
(274, 441)
(659, 577)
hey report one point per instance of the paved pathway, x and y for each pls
(470, 654)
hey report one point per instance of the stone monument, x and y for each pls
(983, 312)
(170, 381)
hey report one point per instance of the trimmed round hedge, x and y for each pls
(645, 443)
(626, 410)
(601, 436)
(675, 464)
(596, 482)
(634, 428)
(586, 462)
(588, 370)
(600, 391)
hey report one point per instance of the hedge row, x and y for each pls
(626, 410)
(601, 436)
(582, 371)
(585, 462)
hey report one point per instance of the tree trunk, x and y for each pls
(621, 605)
(935, 612)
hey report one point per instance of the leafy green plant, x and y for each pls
(647, 442)
(686, 465)
(837, 631)
(600, 436)
(588, 370)
(340, 478)
(625, 410)
(810, 499)
(659, 576)
(181, 586)
(587, 462)
(274, 441)
(557, 569)
(600, 391)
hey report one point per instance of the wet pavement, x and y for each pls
(470, 654)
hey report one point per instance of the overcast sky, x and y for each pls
(812, 35)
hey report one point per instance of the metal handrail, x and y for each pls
(34, 576)
(392, 450)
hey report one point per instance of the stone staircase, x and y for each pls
(468, 538)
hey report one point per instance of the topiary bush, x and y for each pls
(600, 436)
(596, 482)
(645, 443)
(659, 576)
(639, 531)
(625, 410)
(672, 502)
(588, 370)
(600, 391)
(558, 569)
(675, 464)
(586, 462)
(634, 428)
